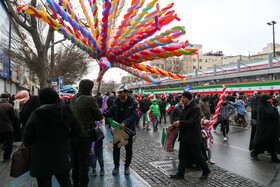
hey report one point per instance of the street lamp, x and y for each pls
(272, 23)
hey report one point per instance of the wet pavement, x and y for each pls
(151, 165)
(132, 180)
(234, 155)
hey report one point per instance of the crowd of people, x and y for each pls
(61, 135)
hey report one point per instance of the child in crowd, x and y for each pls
(155, 114)
(240, 105)
(97, 154)
(207, 139)
(224, 113)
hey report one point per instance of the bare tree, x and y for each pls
(32, 40)
(71, 63)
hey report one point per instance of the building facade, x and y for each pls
(14, 76)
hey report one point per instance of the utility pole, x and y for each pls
(273, 33)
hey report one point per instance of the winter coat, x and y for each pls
(155, 109)
(267, 122)
(175, 115)
(144, 105)
(110, 101)
(240, 105)
(254, 105)
(171, 100)
(85, 109)
(130, 115)
(189, 124)
(99, 100)
(225, 110)
(162, 106)
(47, 132)
(32, 104)
(8, 118)
(204, 109)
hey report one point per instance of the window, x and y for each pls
(194, 67)
(194, 60)
(200, 60)
(200, 67)
(205, 60)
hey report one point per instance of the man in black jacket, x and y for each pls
(144, 107)
(190, 137)
(86, 110)
(162, 107)
(123, 111)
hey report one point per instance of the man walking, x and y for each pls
(86, 110)
(190, 137)
(8, 120)
(123, 111)
(144, 107)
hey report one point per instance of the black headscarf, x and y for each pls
(85, 87)
(48, 96)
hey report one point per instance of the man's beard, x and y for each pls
(122, 98)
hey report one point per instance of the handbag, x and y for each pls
(20, 161)
(94, 133)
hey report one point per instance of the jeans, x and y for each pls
(162, 115)
(128, 155)
(80, 148)
(155, 121)
(7, 139)
(224, 127)
(98, 155)
(63, 180)
(240, 119)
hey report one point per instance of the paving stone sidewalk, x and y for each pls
(155, 165)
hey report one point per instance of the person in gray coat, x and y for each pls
(224, 113)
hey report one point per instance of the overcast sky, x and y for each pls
(232, 26)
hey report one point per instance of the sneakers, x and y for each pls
(177, 176)
(126, 171)
(102, 172)
(275, 159)
(211, 161)
(115, 170)
(93, 173)
(225, 139)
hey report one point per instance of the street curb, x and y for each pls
(275, 182)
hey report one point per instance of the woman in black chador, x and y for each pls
(267, 132)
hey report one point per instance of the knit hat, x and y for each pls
(48, 96)
(4, 95)
(85, 87)
(20, 99)
(188, 95)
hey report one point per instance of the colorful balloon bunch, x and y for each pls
(125, 46)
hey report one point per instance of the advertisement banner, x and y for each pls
(4, 42)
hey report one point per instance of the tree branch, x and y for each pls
(49, 37)
(57, 42)
(14, 15)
